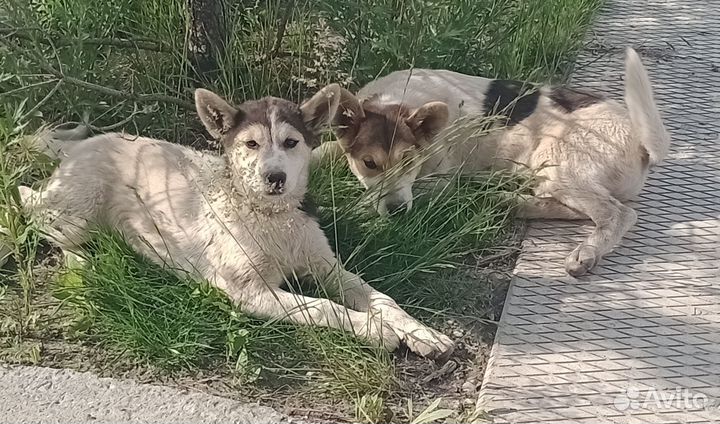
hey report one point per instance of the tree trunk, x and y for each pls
(206, 37)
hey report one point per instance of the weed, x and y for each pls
(431, 414)
(370, 408)
(19, 240)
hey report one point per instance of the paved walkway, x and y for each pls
(638, 341)
(45, 395)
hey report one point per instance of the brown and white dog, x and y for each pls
(588, 153)
(233, 220)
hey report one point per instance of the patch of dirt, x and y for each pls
(480, 286)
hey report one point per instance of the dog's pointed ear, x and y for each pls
(332, 107)
(320, 110)
(428, 120)
(215, 113)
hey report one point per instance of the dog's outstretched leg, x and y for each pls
(612, 220)
(64, 225)
(358, 294)
(533, 207)
(259, 300)
(67, 231)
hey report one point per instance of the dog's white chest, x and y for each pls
(270, 245)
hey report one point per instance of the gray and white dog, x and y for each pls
(233, 220)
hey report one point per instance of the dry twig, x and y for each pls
(135, 97)
(153, 46)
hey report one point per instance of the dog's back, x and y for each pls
(415, 87)
(141, 185)
(542, 126)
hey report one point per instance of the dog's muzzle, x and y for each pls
(275, 182)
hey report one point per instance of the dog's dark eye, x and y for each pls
(290, 143)
(251, 144)
(370, 163)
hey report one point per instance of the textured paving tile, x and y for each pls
(638, 341)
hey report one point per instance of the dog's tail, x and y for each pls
(645, 118)
(55, 142)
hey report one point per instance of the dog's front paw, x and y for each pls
(581, 260)
(429, 343)
(379, 334)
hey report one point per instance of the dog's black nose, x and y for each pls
(394, 208)
(276, 178)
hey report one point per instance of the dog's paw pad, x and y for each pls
(581, 260)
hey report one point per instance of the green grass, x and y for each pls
(325, 41)
(19, 238)
(135, 307)
(451, 218)
(60, 61)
